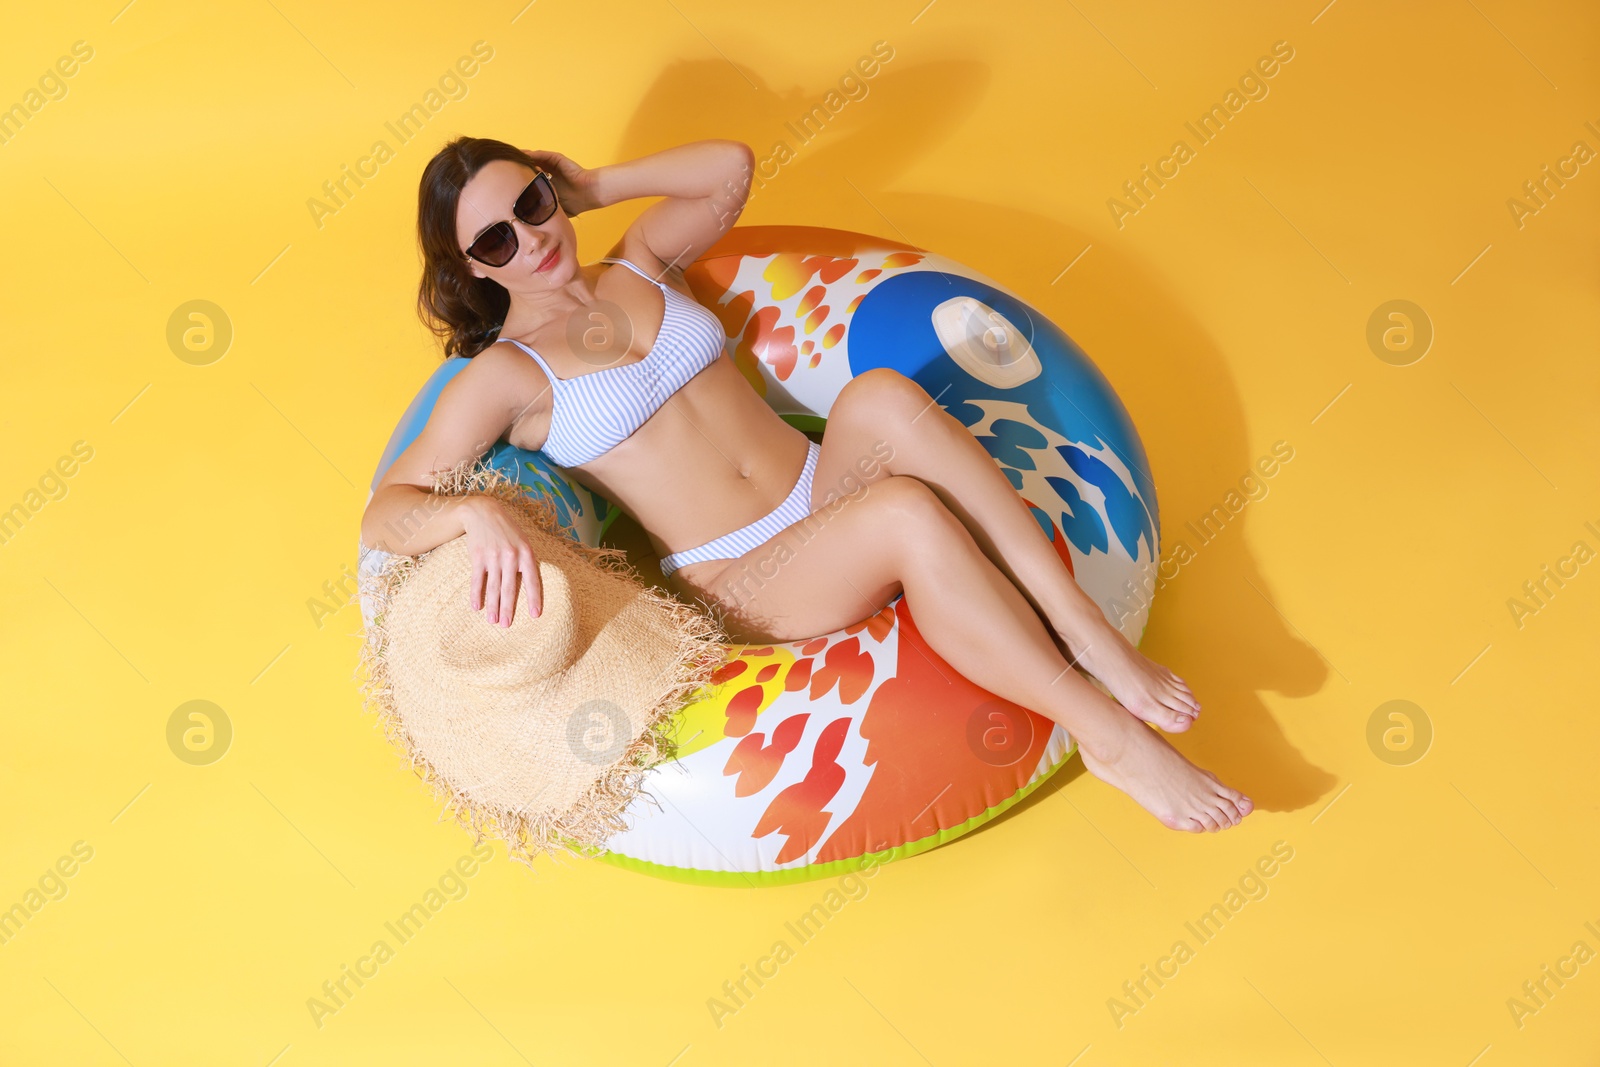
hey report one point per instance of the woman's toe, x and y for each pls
(1234, 799)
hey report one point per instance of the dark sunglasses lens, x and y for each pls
(537, 202)
(497, 245)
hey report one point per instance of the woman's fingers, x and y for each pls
(475, 586)
(501, 555)
(491, 589)
(508, 586)
(530, 582)
(554, 162)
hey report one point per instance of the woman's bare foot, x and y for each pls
(1151, 692)
(1182, 796)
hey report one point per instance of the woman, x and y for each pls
(619, 376)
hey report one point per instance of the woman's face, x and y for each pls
(488, 199)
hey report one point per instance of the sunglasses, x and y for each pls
(495, 246)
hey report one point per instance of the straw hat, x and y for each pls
(542, 731)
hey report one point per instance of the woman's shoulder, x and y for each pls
(504, 373)
(504, 361)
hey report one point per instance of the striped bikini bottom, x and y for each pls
(796, 506)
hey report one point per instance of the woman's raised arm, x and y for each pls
(705, 183)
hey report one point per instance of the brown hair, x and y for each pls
(463, 310)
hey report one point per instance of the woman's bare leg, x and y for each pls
(847, 561)
(883, 412)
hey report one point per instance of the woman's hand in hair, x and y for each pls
(576, 186)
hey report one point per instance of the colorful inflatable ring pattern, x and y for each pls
(816, 758)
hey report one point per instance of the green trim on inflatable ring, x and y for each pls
(605, 523)
(791, 875)
(806, 423)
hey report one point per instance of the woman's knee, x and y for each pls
(882, 511)
(882, 394)
(911, 513)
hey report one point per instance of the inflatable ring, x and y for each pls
(817, 758)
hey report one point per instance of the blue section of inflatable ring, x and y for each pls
(893, 327)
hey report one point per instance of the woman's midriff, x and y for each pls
(712, 459)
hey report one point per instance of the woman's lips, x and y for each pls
(548, 261)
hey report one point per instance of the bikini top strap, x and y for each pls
(555, 383)
(636, 270)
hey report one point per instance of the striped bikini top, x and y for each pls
(592, 413)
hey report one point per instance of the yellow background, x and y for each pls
(1229, 313)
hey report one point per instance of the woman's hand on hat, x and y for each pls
(500, 553)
